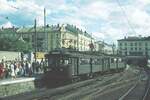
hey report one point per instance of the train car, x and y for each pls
(140, 61)
(64, 66)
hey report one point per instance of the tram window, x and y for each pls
(84, 61)
(120, 60)
(52, 61)
(95, 61)
(64, 61)
(70, 61)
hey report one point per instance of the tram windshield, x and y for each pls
(57, 61)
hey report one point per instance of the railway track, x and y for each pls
(47, 93)
(91, 91)
(135, 91)
(107, 87)
(146, 96)
(78, 91)
(138, 90)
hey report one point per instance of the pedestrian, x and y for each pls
(7, 70)
(1, 71)
(41, 65)
(33, 67)
(17, 69)
(37, 67)
(30, 69)
(12, 67)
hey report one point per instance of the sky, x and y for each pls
(106, 20)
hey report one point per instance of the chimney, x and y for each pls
(140, 36)
(47, 25)
(13, 28)
(57, 25)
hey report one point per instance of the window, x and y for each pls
(96, 61)
(84, 61)
(64, 61)
(112, 60)
(131, 44)
(135, 44)
(125, 53)
(120, 44)
(131, 48)
(146, 44)
(140, 44)
(125, 44)
(135, 48)
(146, 48)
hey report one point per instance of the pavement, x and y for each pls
(19, 79)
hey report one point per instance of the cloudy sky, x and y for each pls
(108, 20)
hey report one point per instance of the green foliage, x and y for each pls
(8, 44)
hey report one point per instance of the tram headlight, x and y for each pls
(49, 69)
(61, 69)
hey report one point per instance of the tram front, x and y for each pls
(58, 68)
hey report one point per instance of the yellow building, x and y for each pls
(58, 36)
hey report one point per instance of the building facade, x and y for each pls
(63, 36)
(135, 46)
(58, 36)
(9, 33)
(106, 48)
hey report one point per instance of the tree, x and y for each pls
(15, 45)
(22, 46)
(5, 44)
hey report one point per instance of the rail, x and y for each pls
(130, 89)
(147, 92)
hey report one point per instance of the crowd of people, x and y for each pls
(14, 69)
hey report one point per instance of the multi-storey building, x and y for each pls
(58, 36)
(8, 33)
(134, 46)
(106, 48)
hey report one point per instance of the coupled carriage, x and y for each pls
(66, 66)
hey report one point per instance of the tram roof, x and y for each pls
(80, 54)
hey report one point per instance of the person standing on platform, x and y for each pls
(30, 69)
(12, 67)
(42, 65)
(1, 70)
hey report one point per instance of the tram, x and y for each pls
(65, 66)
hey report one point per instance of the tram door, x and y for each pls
(74, 66)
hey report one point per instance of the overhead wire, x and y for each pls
(126, 17)
(18, 9)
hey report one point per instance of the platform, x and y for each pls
(10, 86)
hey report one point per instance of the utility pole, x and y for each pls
(46, 34)
(35, 39)
(78, 41)
(91, 44)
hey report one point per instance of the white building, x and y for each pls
(134, 46)
(106, 48)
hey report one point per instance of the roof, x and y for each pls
(136, 39)
(8, 32)
(76, 30)
(72, 29)
(38, 29)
